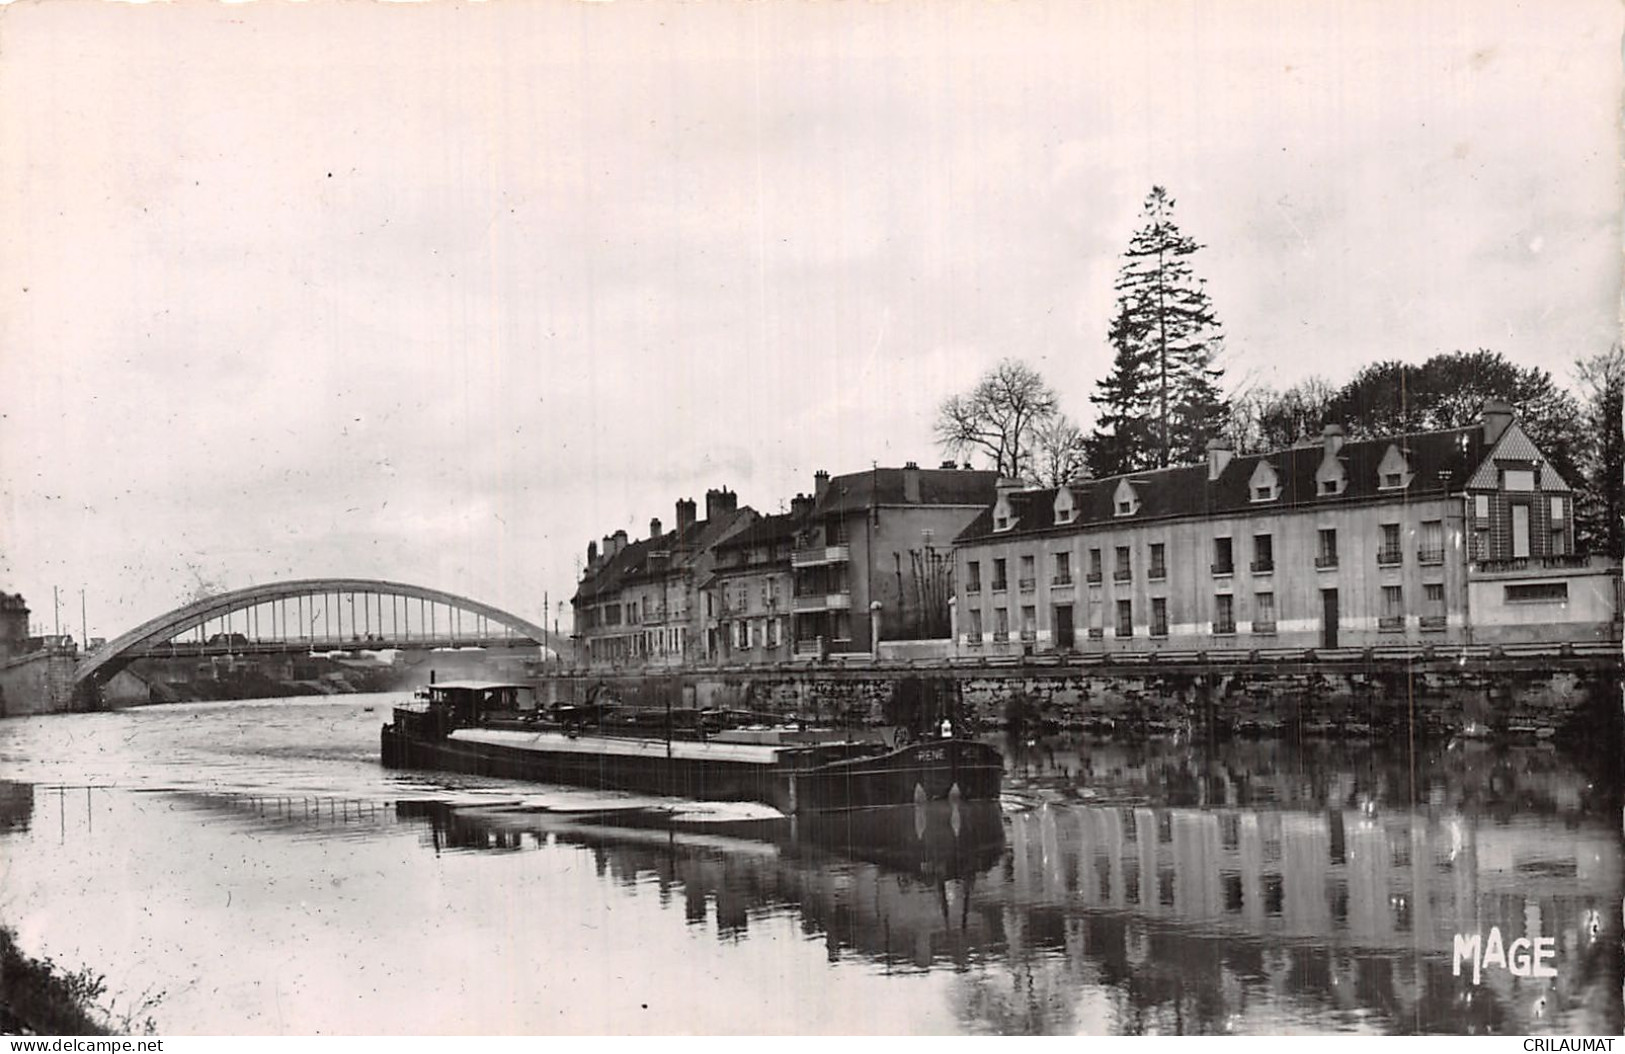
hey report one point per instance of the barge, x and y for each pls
(484, 728)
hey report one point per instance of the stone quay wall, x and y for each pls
(1558, 695)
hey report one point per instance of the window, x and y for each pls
(1328, 486)
(1481, 506)
(1263, 493)
(1520, 531)
(1029, 577)
(772, 633)
(1124, 570)
(973, 576)
(1223, 560)
(1094, 565)
(1001, 624)
(1557, 510)
(742, 635)
(1263, 612)
(1518, 479)
(1125, 618)
(1224, 613)
(975, 634)
(1001, 523)
(1326, 556)
(1393, 608)
(1029, 623)
(1432, 550)
(1159, 616)
(1388, 548)
(1393, 479)
(1125, 508)
(1063, 569)
(1263, 553)
(1433, 616)
(1537, 593)
(999, 581)
(1159, 560)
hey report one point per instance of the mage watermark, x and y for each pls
(1524, 957)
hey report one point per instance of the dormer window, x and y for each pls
(1395, 472)
(1003, 518)
(1264, 485)
(1329, 486)
(1065, 511)
(1125, 501)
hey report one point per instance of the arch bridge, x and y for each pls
(319, 614)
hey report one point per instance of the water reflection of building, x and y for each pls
(1323, 904)
(16, 805)
(1146, 917)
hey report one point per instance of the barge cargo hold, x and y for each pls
(457, 730)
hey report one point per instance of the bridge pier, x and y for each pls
(41, 682)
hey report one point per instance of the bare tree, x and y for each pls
(999, 417)
(1058, 453)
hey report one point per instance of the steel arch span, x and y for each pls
(109, 658)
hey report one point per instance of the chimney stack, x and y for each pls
(820, 484)
(719, 503)
(911, 483)
(1219, 454)
(654, 528)
(801, 506)
(592, 553)
(620, 540)
(1332, 437)
(1497, 419)
(685, 514)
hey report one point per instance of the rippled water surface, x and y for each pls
(251, 863)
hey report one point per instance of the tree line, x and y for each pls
(1163, 400)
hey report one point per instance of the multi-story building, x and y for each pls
(747, 597)
(638, 601)
(1453, 537)
(873, 560)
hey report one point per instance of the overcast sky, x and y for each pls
(439, 292)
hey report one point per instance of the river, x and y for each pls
(248, 868)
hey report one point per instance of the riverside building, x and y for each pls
(1462, 536)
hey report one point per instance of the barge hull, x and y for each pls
(936, 770)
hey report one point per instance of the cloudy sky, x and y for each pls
(437, 292)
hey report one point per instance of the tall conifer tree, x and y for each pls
(1162, 402)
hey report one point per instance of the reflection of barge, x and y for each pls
(481, 728)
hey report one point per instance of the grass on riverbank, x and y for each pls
(38, 996)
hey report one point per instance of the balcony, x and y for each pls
(1264, 626)
(1391, 623)
(1325, 561)
(1227, 628)
(1094, 578)
(841, 601)
(1000, 585)
(1123, 575)
(1430, 557)
(973, 640)
(1158, 573)
(1433, 622)
(1224, 569)
(1159, 629)
(1263, 567)
(1568, 562)
(1061, 580)
(1001, 636)
(1390, 557)
(973, 588)
(820, 554)
(1027, 584)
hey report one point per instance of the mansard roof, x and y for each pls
(1441, 462)
(769, 530)
(857, 491)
